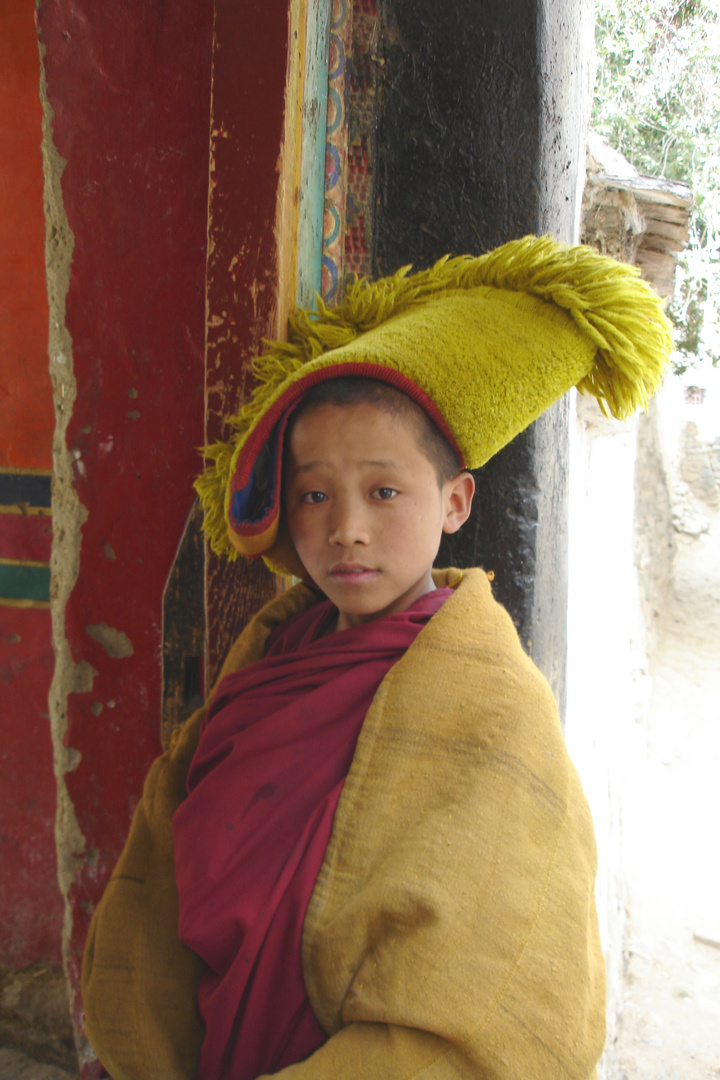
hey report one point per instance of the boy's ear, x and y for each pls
(458, 499)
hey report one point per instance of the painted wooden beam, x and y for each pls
(314, 109)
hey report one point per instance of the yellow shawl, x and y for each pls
(452, 931)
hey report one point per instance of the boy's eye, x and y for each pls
(384, 493)
(314, 497)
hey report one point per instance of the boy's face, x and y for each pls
(365, 509)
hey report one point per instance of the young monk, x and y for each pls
(365, 508)
(383, 860)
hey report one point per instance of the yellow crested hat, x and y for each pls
(484, 345)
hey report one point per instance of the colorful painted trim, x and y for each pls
(28, 487)
(336, 154)
(24, 582)
(361, 122)
(25, 538)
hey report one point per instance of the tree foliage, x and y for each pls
(657, 100)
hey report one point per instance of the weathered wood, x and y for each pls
(664, 245)
(658, 269)
(250, 50)
(678, 215)
(183, 630)
(661, 190)
(643, 220)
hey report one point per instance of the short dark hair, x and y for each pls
(357, 390)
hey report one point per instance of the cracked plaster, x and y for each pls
(68, 512)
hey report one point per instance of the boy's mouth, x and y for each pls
(352, 572)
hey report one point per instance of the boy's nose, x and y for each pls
(349, 524)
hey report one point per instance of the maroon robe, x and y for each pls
(274, 751)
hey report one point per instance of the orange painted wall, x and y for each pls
(26, 414)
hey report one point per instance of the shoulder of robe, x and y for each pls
(249, 646)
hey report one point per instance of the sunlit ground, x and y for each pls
(671, 823)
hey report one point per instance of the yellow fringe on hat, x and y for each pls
(611, 305)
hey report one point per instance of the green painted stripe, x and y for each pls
(19, 582)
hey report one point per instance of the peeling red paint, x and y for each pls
(26, 414)
(30, 901)
(250, 59)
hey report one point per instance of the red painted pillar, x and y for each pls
(250, 61)
(128, 92)
(128, 88)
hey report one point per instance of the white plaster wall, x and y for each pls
(674, 412)
(607, 682)
(670, 407)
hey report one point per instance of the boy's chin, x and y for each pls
(347, 620)
(371, 608)
(359, 613)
